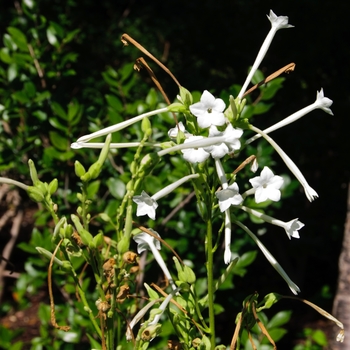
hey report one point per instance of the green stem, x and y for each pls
(211, 287)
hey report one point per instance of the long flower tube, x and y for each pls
(147, 205)
(293, 287)
(321, 102)
(290, 227)
(146, 242)
(79, 145)
(310, 193)
(120, 126)
(277, 22)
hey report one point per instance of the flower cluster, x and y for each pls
(216, 132)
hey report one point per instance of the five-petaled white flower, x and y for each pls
(230, 141)
(147, 242)
(209, 110)
(229, 196)
(292, 227)
(267, 186)
(195, 155)
(146, 205)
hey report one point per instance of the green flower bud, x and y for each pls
(146, 126)
(33, 173)
(35, 194)
(53, 185)
(147, 164)
(48, 254)
(79, 169)
(123, 245)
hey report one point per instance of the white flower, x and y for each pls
(174, 131)
(146, 205)
(147, 242)
(267, 186)
(291, 227)
(277, 22)
(321, 102)
(195, 155)
(119, 126)
(293, 287)
(229, 196)
(230, 142)
(310, 193)
(227, 253)
(209, 111)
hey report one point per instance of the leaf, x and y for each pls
(58, 110)
(5, 56)
(279, 319)
(70, 36)
(51, 36)
(20, 96)
(116, 187)
(93, 188)
(114, 102)
(53, 153)
(58, 141)
(19, 38)
(12, 72)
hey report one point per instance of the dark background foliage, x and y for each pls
(210, 45)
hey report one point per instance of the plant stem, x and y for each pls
(211, 288)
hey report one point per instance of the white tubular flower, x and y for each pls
(310, 193)
(147, 205)
(229, 195)
(209, 110)
(267, 186)
(79, 145)
(227, 253)
(321, 102)
(195, 155)
(291, 227)
(172, 133)
(293, 287)
(230, 137)
(231, 141)
(147, 242)
(119, 126)
(277, 22)
(162, 307)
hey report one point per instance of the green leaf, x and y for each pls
(51, 36)
(19, 38)
(279, 319)
(58, 141)
(9, 43)
(20, 96)
(116, 187)
(114, 102)
(319, 338)
(53, 153)
(93, 188)
(70, 36)
(58, 110)
(12, 72)
(5, 56)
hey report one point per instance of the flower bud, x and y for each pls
(53, 185)
(79, 169)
